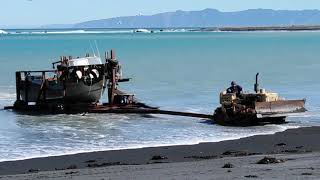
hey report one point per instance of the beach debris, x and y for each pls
(59, 169)
(308, 168)
(69, 167)
(270, 160)
(157, 162)
(72, 167)
(72, 172)
(306, 174)
(238, 153)
(95, 165)
(33, 170)
(281, 144)
(229, 171)
(290, 151)
(90, 161)
(228, 165)
(202, 157)
(251, 176)
(158, 157)
(228, 153)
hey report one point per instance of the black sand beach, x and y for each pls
(288, 146)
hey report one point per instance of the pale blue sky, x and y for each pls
(41, 12)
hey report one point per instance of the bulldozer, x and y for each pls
(260, 107)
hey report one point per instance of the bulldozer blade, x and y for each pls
(280, 107)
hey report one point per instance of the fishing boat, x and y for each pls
(76, 85)
(72, 81)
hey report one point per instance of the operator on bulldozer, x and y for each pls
(235, 89)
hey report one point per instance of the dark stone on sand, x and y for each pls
(238, 153)
(59, 169)
(90, 161)
(69, 167)
(72, 172)
(281, 144)
(251, 176)
(202, 157)
(228, 165)
(270, 160)
(104, 164)
(158, 157)
(72, 167)
(290, 151)
(227, 153)
(33, 170)
(157, 162)
(306, 174)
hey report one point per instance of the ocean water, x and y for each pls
(173, 70)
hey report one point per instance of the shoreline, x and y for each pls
(144, 147)
(293, 141)
(194, 29)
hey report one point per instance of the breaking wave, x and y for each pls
(72, 32)
(90, 31)
(3, 32)
(7, 96)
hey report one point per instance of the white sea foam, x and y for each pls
(67, 32)
(3, 32)
(84, 31)
(88, 32)
(7, 96)
(74, 32)
(36, 151)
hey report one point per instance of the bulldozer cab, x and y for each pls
(263, 96)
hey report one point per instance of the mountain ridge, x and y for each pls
(207, 18)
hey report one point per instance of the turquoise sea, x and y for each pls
(172, 70)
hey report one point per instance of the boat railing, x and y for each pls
(37, 71)
(22, 76)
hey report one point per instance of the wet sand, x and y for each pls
(297, 150)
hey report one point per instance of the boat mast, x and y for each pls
(112, 65)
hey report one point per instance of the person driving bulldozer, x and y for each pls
(234, 88)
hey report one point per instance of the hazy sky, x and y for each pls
(41, 12)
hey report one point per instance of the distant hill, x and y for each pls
(209, 18)
(57, 26)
